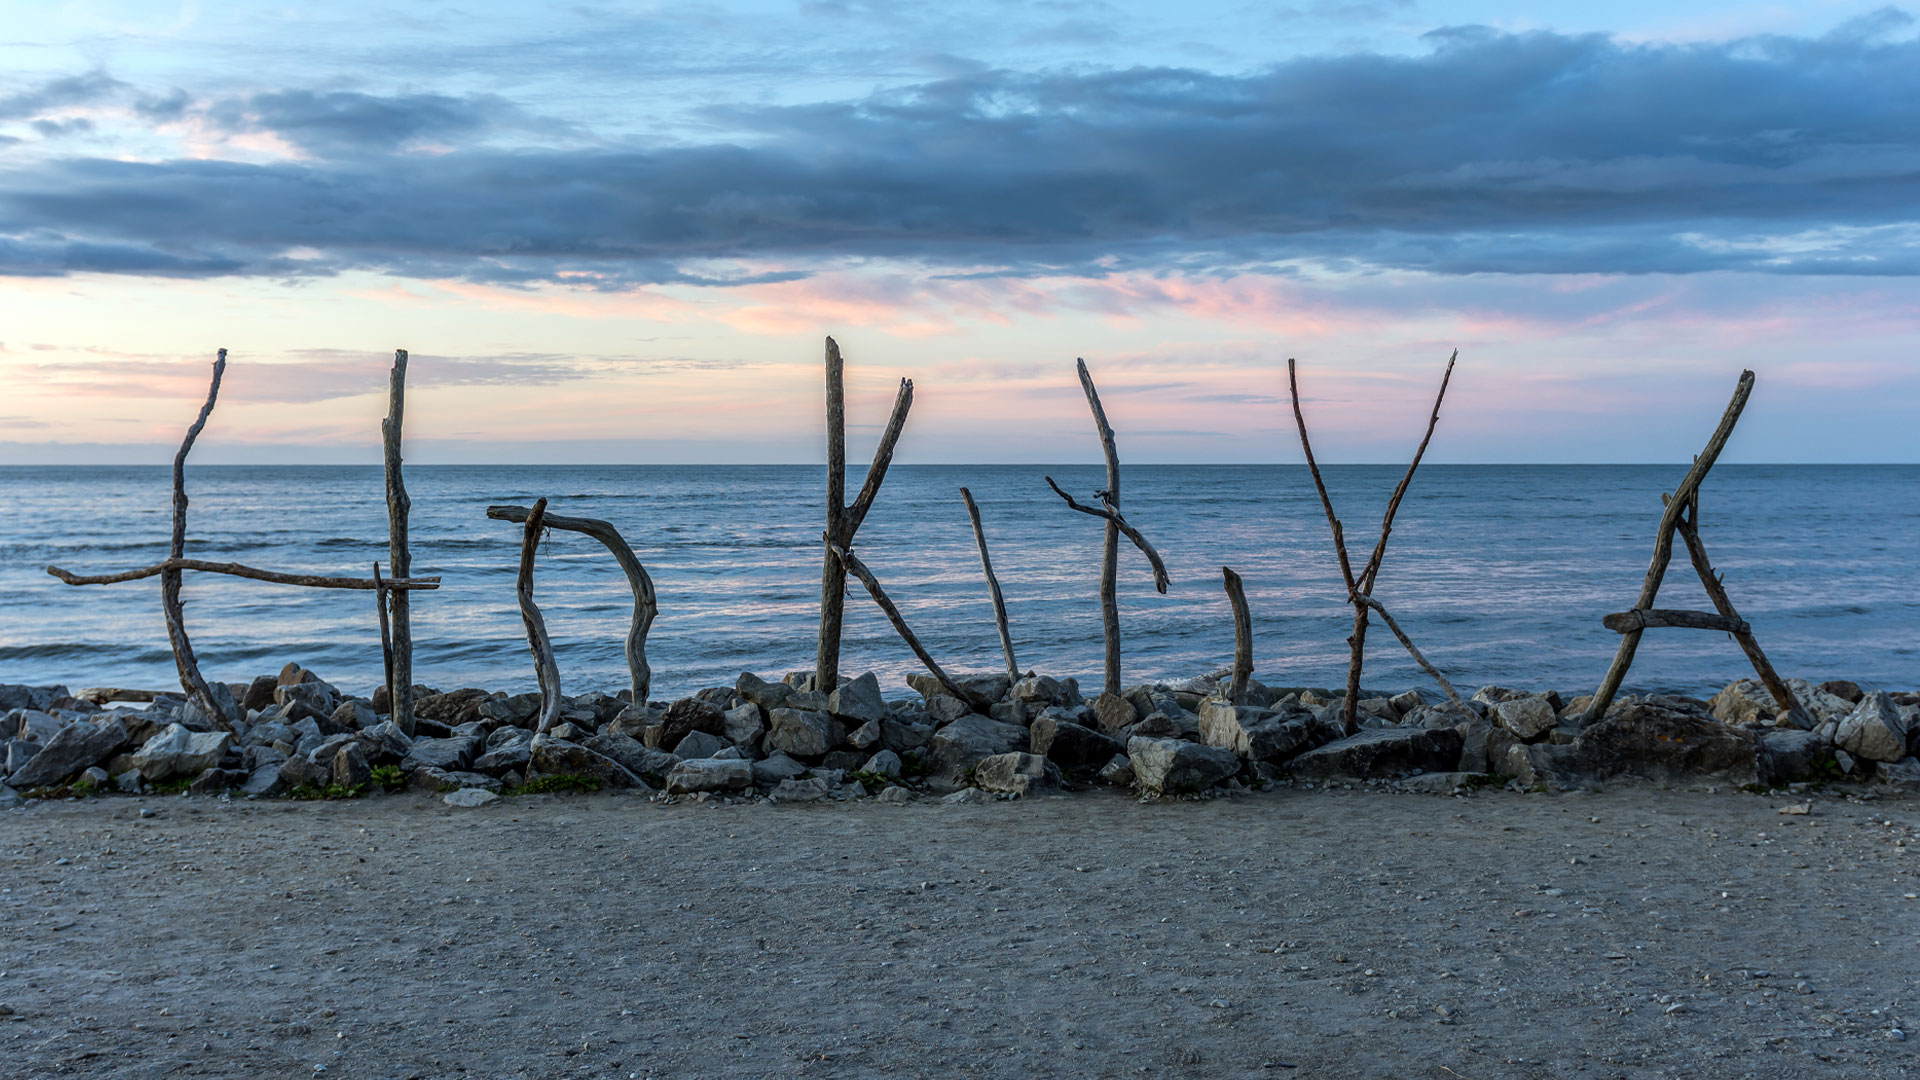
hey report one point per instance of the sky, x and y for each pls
(619, 232)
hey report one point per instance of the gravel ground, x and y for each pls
(1631, 933)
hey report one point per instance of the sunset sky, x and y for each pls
(617, 232)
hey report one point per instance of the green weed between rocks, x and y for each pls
(310, 791)
(388, 777)
(548, 785)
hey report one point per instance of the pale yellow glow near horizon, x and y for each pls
(1191, 369)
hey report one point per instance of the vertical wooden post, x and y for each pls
(833, 572)
(993, 588)
(1242, 637)
(399, 555)
(386, 635)
(844, 519)
(1110, 545)
(191, 680)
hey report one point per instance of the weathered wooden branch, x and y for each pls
(1663, 546)
(859, 570)
(546, 669)
(312, 581)
(399, 553)
(1360, 587)
(1242, 637)
(1689, 527)
(1622, 622)
(100, 695)
(645, 605)
(191, 680)
(993, 587)
(1110, 542)
(380, 597)
(844, 521)
(1406, 641)
(1115, 521)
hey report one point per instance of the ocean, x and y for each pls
(1499, 573)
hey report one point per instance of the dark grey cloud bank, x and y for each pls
(1491, 153)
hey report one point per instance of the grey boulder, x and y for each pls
(1016, 774)
(710, 774)
(75, 747)
(1384, 752)
(180, 752)
(1874, 730)
(1178, 767)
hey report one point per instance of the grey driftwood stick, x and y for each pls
(1360, 586)
(1663, 546)
(859, 570)
(312, 581)
(993, 587)
(545, 669)
(191, 680)
(386, 632)
(1110, 542)
(1653, 618)
(1242, 637)
(1689, 526)
(843, 521)
(399, 552)
(1115, 521)
(1406, 641)
(645, 604)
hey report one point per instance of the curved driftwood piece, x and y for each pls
(1663, 545)
(843, 521)
(191, 680)
(1110, 543)
(545, 669)
(859, 570)
(1242, 637)
(312, 581)
(1115, 521)
(1379, 608)
(399, 554)
(645, 604)
(100, 695)
(1372, 570)
(993, 587)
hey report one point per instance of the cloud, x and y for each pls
(1491, 153)
(62, 93)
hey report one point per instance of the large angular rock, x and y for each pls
(1657, 739)
(451, 754)
(1384, 752)
(744, 726)
(1113, 712)
(507, 748)
(1788, 755)
(689, 715)
(1039, 690)
(350, 768)
(945, 709)
(1289, 734)
(1874, 730)
(1071, 746)
(985, 688)
(699, 744)
(768, 695)
(73, 748)
(710, 774)
(557, 757)
(384, 743)
(33, 725)
(1226, 725)
(1746, 702)
(775, 768)
(17, 696)
(803, 733)
(1529, 717)
(1016, 774)
(1178, 767)
(857, 701)
(179, 752)
(963, 743)
(632, 755)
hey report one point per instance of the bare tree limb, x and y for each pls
(1372, 571)
(1413, 652)
(546, 670)
(380, 596)
(1320, 485)
(191, 680)
(882, 457)
(1110, 543)
(645, 605)
(399, 551)
(312, 581)
(993, 587)
(859, 570)
(1689, 527)
(1242, 637)
(1113, 519)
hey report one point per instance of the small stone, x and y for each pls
(470, 797)
(1118, 772)
(895, 796)
(885, 763)
(858, 700)
(812, 789)
(967, 796)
